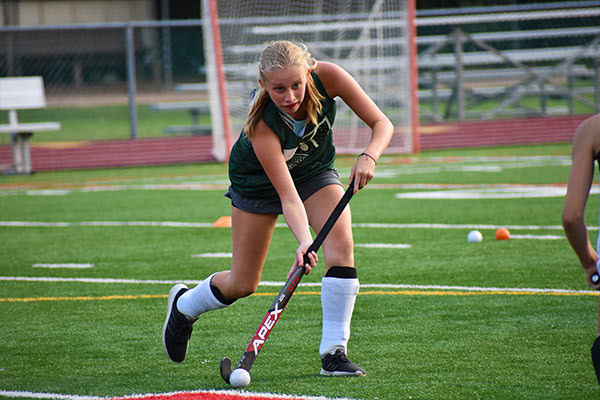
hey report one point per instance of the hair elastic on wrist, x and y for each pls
(370, 156)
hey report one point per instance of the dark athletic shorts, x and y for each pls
(272, 205)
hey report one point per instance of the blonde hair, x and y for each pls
(279, 55)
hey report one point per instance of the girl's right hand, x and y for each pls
(312, 256)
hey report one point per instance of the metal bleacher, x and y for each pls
(460, 70)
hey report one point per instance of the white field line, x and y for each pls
(174, 224)
(105, 188)
(541, 237)
(388, 169)
(213, 255)
(454, 191)
(280, 284)
(457, 226)
(200, 186)
(461, 186)
(506, 192)
(166, 396)
(383, 245)
(63, 265)
(47, 192)
(38, 395)
(168, 224)
(94, 280)
(194, 186)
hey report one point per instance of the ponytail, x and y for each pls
(255, 112)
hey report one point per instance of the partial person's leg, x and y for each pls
(251, 235)
(596, 350)
(338, 246)
(339, 286)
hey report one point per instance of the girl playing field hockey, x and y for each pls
(585, 150)
(283, 163)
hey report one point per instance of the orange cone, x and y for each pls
(223, 222)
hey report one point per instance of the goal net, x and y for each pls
(371, 39)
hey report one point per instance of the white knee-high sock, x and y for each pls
(338, 296)
(199, 300)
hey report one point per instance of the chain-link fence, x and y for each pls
(88, 73)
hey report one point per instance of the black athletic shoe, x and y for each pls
(337, 364)
(178, 328)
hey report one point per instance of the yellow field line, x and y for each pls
(84, 298)
(317, 293)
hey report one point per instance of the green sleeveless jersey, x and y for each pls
(305, 156)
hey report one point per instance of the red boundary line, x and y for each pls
(500, 132)
(183, 395)
(215, 395)
(197, 149)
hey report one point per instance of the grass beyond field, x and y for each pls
(87, 259)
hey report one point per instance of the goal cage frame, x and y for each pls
(374, 40)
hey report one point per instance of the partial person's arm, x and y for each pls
(339, 83)
(268, 150)
(585, 146)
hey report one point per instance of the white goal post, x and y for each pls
(374, 40)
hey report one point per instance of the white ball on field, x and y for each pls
(474, 237)
(239, 378)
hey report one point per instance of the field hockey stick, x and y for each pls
(272, 316)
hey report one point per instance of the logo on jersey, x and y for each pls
(309, 144)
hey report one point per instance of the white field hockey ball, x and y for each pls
(239, 378)
(474, 237)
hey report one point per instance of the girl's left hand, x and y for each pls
(362, 172)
